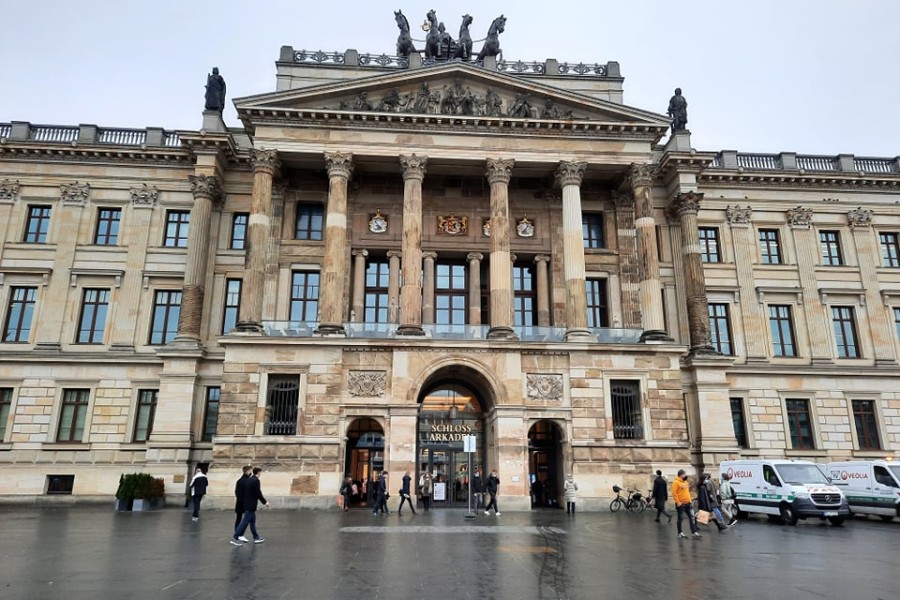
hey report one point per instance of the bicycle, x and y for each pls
(634, 502)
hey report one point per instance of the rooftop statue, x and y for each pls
(405, 45)
(678, 111)
(492, 42)
(464, 43)
(433, 39)
(215, 91)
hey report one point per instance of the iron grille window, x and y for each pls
(37, 225)
(232, 304)
(626, 410)
(377, 309)
(164, 322)
(309, 224)
(211, 418)
(524, 296)
(73, 415)
(831, 248)
(450, 294)
(844, 321)
(305, 296)
(239, 231)
(769, 248)
(146, 410)
(91, 324)
(177, 224)
(737, 420)
(720, 328)
(866, 425)
(597, 303)
(799, 424)
(19, 314)
(709, 244)
(5, 407)
(592, 230)
(781, 326)
(107, 233)
(281, 405)
(890, 249)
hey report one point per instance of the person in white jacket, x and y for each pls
(569, 488)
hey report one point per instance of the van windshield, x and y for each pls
(895, 469)
(800, 474)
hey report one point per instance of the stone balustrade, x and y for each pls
(790, 161)
(89, 134)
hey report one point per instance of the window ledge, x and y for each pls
(875, 454)
(66, 446)
(801, 452)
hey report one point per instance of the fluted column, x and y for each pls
(334, 269)
(359, 285)
(640, 178)
(685, 207)
(265, 165)
(569, 176)
(428, 259)
(474, 259)
(393, 285)
(543, 296)
(411, 296)
(498, 173)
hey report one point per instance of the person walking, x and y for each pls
(239, 493)
(728, 495)
(681, 494)
(708, 500)
(346, 491)
(660, 495)
(381, 495)
(427, 489)
(404, 495)
(252, 497)
(477, 488)
(492, 487)
(569, 489)
(198, 489)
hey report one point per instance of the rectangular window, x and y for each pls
(844, 321)
(107, 233)
(799, 424)
(146, 410)
(890, 249)
(720, 328)
(305, 296)
(831, 248)
(737, 420)
(524, 296)
(310, 221)
(282, 399)
(72, 416)
(597, 303)
(239, 231)
(450, 294)
(769, 248)
(177, 224)
(91, 324)
(164, 322)
(782, 327)
(5, 407)
(625, 398)
(211, 418)
(709, 244)
(60, 484)
(19, 314)
(377, 309)
(232, 304)
(592, 230)
(897, 321)
(38, 224)
(866, 424)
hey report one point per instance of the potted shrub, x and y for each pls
(125, 492)
(140, 491)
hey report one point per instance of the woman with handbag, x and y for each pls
(707, 500)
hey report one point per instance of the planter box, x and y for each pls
(123, 504)
(144, 505)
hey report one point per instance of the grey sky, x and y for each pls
(809, 76)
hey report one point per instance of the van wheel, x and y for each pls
(788, 515)
(836, 521)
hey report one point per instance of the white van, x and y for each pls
(790, 489)
(872, 487)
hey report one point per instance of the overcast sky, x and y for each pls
(808, 76)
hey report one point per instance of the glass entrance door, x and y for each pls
(449, 469)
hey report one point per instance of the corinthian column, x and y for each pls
(334, 269)
(569, 176)
(640, 177)
(393, 285)
(543, 296)
(265, 164)
(498, 173)
(359, 285)
(428, 288)
(411, 294)
(474, 259)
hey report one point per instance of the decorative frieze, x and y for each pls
(74, 193)
(736, 215)
(544, 387)
(9, 190)
(366, 384)
(144, 196)
(859, 218)
(800, 217)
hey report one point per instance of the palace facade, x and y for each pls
(389, 257)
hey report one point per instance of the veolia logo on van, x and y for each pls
(741, 474)
(845, 475)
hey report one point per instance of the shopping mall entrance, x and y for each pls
(545, 464)
(365, 458)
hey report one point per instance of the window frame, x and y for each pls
(843, 322)
(890, 248)
(169, 308)
(524, 295)
(597, 311)
(210, 426)
(709, 245)
(715, 327)
(780, 320)
(110, 237)
(865, 433)
(177, 229)
(152, 396)
(93, 331)
(770, 246)
(832, 254)
(792, 420)
(6, 410)
(81, 404)
(229, 307)
(593, 222)
(235, 241)
(447, 297)
(314, 213)
(738, 408)
(282, 379)
(25, 312)
(636, 425)
(37, 234)
(376, 293)
(306, 302)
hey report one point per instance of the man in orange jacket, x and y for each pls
(681, 493)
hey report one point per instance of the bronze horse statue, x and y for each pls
(405, 45)
(492, 42)
(464, 43)
(433, 39)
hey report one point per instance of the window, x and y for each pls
(450, 294)
(232, 304)
(597, 303)
(60, 484)
(164, 323)
(799, 424)
(897, 320)
(211, 418)
(737, 420)
(37, 225)
(376, 294)
(305, 296)
(831, 248)
(769, 249)
(309, 222)
(177, 224)
(19, 314)
(866, 424)
(92, 322)
(770, 476)
(146, 410)
(844, 322)
(890, 249)
(73, 415)
(782, 327)
(107, 233)
(524, 296)
(239, 231)
(626, 410)
(720, 329)
(883, 476)
(281, 405)
(5, 407)
(709, 245)
(592, 230)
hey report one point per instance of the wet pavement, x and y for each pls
(92, 552)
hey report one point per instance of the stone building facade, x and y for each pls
(389, 256)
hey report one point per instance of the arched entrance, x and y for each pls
(545, 464)
(364, 457)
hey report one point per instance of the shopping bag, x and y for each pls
(340, 500)
(703, 517)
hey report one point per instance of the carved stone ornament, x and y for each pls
(737, 215)
(452, 225)
(206, 186)
(544, 387)
(799, 217)
(499, 170)
(145, 196)
(339, 164)
(570, 173)
(859, 218)
(413, 166)
(641, 175)
(265, 161)
(9, 190)
(687, 203)
(486, 227)
(74, 193)
(377, 223)
(525, 228)
(366, 384)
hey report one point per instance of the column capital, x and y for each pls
(361, 252)
(687, 203)
(623, 200)
(499, 170)
(474, 256)
(265, 161)
(339, 164)
(542, 258)
(394, 254)
(429, 255)
(640, 175)
(413, 166)
(206, 186)
(570, 172)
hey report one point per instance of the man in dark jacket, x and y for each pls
(477, 488)
(198, 490)
(381, 495)
(252, 497)
(239, 495)
(491, 487)
(405, 496)
(660, 494)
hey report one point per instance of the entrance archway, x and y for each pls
(364, 457)
(545, 464)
